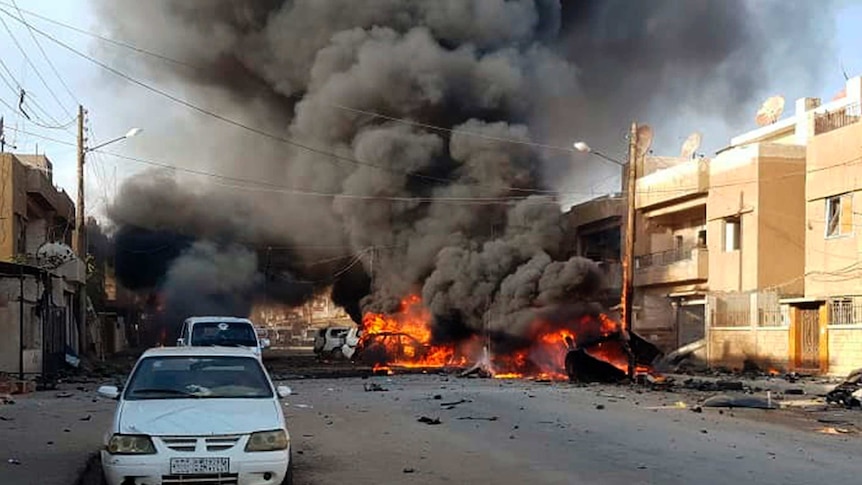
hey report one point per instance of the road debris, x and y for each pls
(13, 461)
(374, 387)
(451, 405)
(408, 470)
(475, 418)
(429, 421)
(753, 402)
(849, 392)
(835, 430)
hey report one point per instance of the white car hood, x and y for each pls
(183, 417)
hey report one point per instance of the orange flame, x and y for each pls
(405, 337)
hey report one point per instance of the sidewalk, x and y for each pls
(51, 434)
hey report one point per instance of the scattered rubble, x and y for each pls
(753, 402)
(474, 418)
(849, 392)
(374, 387)
(429, 421)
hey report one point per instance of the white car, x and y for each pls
(221, 331)
(204, 415)
(329, 341)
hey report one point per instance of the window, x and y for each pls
(701, 238)
(732, 229)
(839, 215)
(844, 311)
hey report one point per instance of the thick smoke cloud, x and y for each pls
(421, 210)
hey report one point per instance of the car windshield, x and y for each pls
(228, 334)
(198, 377)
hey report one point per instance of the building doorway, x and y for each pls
(807, 339)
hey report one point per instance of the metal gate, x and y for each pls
(53, 341)
(809, 339)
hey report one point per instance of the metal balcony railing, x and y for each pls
(665, 258)
(844, 116)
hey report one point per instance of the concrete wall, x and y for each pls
(730, 347)
(780, 215)
(9, 323)
(845, 349)
(733, 193)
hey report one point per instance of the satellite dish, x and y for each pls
(770, 111)
(54, 255)
(645, 135)
(692, 143)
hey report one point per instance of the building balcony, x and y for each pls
(674, 266)
(676, 183)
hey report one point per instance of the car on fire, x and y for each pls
(197, 415)
(223, 332)
(384, 347)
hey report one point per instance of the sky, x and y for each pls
(110, 117)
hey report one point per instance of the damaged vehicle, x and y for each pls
(222, 332)
(197, 415)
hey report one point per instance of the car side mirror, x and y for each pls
(283, 391)
(264, 343)
(110, 392)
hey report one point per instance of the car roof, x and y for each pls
(198, 352)
(194, 320)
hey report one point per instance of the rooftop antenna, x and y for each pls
(690, 146)
(770, 111)
(844, 71)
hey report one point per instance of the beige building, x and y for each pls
(37, 294)
(671, 269)
(829, 336)
(720, 241)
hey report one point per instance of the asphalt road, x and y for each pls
(523, 432)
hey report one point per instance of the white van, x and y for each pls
(221, 332)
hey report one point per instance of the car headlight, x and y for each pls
(131, 444)
(268, 441)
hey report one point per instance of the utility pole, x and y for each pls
(81, 237)
(629, 245)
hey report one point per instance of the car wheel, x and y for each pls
(337, 354)
(288, 475)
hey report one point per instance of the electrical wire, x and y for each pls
(45, 55)
(32, 65)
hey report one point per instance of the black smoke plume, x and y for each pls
(446, 195)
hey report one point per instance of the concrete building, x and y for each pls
(783, 288)
(671, 267)
(594, 232)
(37, 287)
(828, 337)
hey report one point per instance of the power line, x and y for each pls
(262, 186)
(45, 55)
(31, 64)
(190, 65)
(288, 141)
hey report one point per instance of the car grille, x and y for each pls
(221, 443)
(208, 479)
(190, 444)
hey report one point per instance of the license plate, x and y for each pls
(193, 466)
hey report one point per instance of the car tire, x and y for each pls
(337, 354)
(288, 475)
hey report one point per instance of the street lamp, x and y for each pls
(129, 134)
(582, 147)
(628, 248)
(81, 226)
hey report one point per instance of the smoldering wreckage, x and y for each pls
(409, 184)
